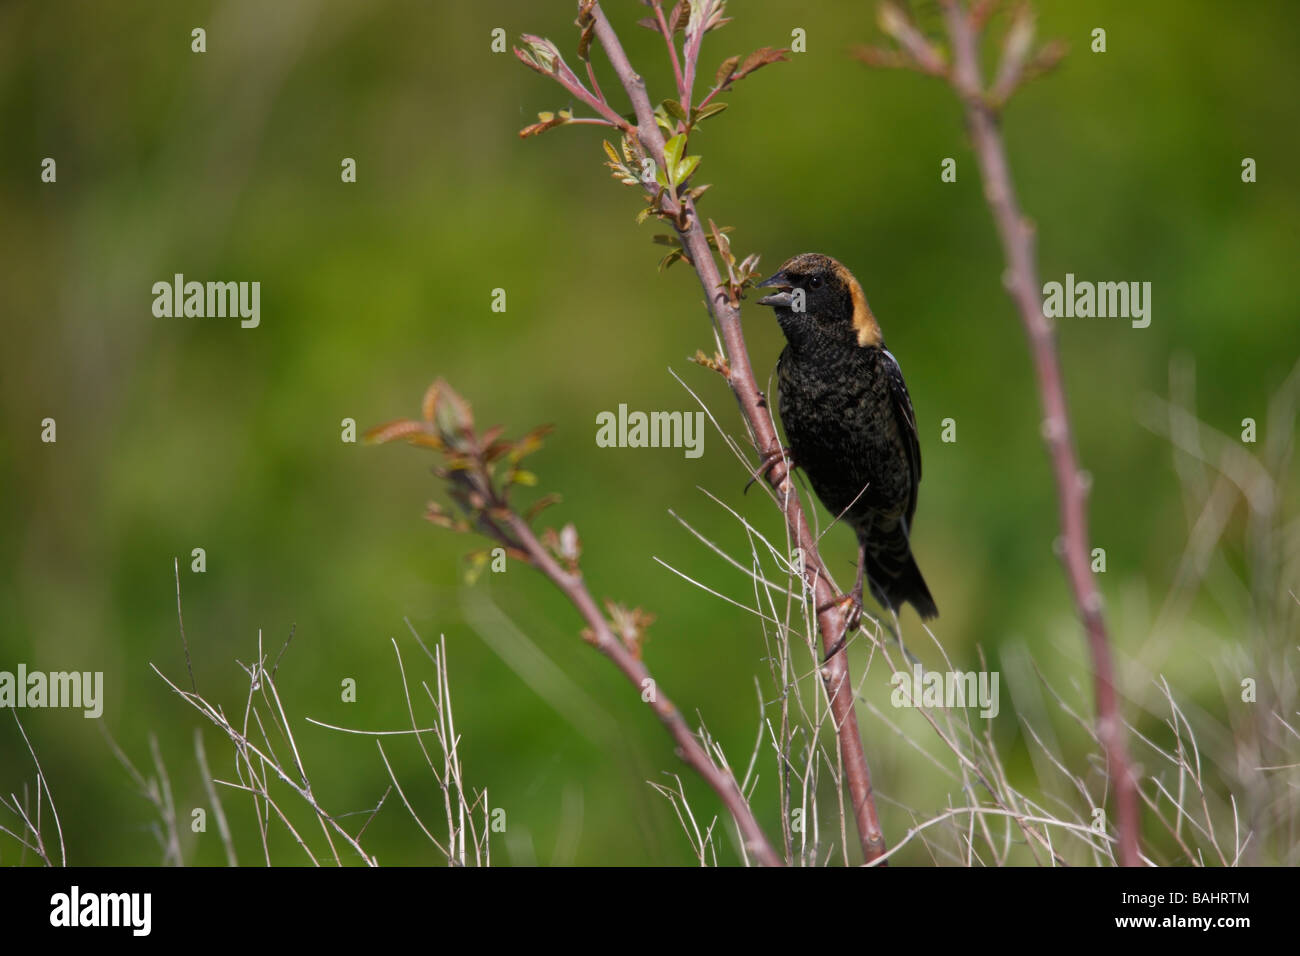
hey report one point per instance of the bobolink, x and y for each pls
(849, 421)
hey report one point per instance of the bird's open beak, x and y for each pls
(781, 298)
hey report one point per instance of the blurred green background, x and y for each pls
(175, 434)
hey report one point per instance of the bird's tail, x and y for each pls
(893, 575)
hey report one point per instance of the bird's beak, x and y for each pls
(781, 298)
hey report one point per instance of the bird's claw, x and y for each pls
(850, 606)
(767, 464)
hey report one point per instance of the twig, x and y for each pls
(605, 641)
(667, 32)
(16, 807)
(180, 620)
(223, 826)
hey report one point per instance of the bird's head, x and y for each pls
(816, 297)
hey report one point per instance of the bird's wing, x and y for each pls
(906, 418)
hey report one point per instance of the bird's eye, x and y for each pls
(815, 282)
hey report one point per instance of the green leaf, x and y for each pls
(713, 109)
(673, 150)
(663, 120)
(675, 110)
(685, 168)
(669, 259)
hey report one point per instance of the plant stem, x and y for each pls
(1017, 235)
(753, 406)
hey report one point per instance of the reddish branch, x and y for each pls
(982, 107)
(481, 470)
(601, 635)
(687, 224)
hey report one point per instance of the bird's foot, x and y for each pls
(768, 463)
(850, 606)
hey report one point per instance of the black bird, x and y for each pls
(849, 421)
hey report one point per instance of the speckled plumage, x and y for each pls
(849, 420)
